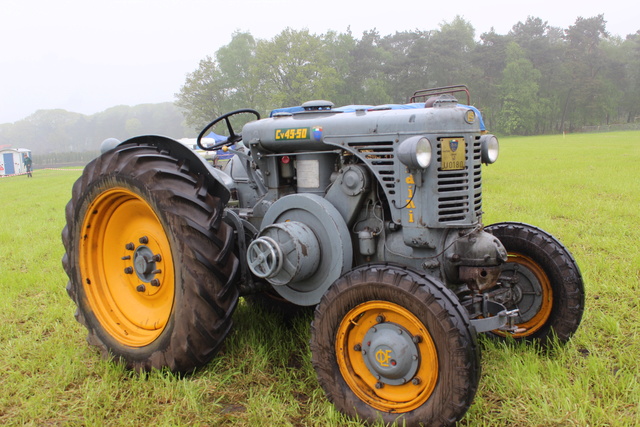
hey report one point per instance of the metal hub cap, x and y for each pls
(386, 356)
(144, 263)
(390, 353)
(531, 293)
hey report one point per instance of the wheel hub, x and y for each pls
(526, 290)
(390, 353)
(144, 264)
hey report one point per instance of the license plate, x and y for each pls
(453, 154)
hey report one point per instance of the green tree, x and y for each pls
(203, 94)
(339, 49)
(519, 91)
(449, 53)
(406, 68)
(586, 63)
(545, 47)
(368, 78)
(630, 82)
(488, 59)
(294, 67)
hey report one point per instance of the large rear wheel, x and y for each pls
(149, 259)
(390, 344)
(542, 280)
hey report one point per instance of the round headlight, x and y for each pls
(489, 148)
(415, 152)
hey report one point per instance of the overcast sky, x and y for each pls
(88, 55)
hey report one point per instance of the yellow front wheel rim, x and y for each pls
(127, 268)
(537, 284)
(387, 356)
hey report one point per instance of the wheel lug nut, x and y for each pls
(158, 271)
(144, 240)
(357, 347)
(415, 381)
(141, 288)
(380, 318)
(417, 339)
(379, 385)
(129, 246)
(157, 258)
(155, 282)
(126, 257)
(128, 270)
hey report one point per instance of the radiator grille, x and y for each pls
(460, 191)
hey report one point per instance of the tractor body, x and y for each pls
(372, 214)
(344, 169)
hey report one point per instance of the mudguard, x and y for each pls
(214, 178)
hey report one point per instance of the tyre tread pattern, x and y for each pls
(561, 268)
(451, 329)
(204, 257)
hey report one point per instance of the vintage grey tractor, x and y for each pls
(372, 214)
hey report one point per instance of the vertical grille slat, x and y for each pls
(380, 158)
(460, 191)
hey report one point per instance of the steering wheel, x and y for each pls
(233, 137)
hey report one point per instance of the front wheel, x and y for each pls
(390, 344)
(540, 279)
(149, 259)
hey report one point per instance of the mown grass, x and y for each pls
(585, 189)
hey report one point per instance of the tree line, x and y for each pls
(535, 79)
(47, 132)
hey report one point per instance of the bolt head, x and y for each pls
(357, 347)
(141, 288)
(144, 240)
(129, 246)
(155, 282)
(128, 270)
(379, 385)
(415, 381)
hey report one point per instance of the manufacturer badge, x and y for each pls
(316, 133)
(470, 117)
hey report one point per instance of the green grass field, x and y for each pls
(584, 189)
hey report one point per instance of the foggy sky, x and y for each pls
(88, 55)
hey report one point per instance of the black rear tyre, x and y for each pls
(545, 282)
(390, 344)
(149, 259)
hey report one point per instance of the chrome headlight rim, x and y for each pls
(489, 149)
(415, 152)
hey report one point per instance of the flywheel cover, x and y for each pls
(336, 251)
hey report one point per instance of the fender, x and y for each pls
(218, 182)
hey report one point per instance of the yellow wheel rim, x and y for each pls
(543, 287)
(127, 268)
(367, 367)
